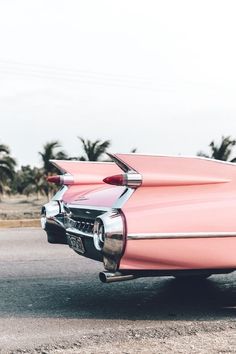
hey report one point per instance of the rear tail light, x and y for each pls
(127, 179)
(54, 179)
(117, 180)
(61, 179)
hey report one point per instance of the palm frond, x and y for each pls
(93, 149)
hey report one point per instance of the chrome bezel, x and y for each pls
(43, 221)
(114, 237)
(51, 209)
(98, 236)
(134, 179)
(55, 207)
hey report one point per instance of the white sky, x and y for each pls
(156, 75)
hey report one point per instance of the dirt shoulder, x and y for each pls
(20, 211)
(166, 337)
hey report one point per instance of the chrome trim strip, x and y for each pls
(123, 165)
(171, 235)
(59, 194)
(81, 162)
(123, 198)
(89, 207)
(78, 233)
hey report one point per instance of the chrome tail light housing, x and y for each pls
(109, 237)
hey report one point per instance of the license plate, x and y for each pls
(76, 243)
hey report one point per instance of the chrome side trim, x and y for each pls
(123, 165)
(59, 194)
(54, 162)
(123, 198)
(89, 207)
(170, 235)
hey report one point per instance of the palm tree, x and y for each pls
(29, 180)
(7, 167)
(39, 181)
(133, 150)
(49, 153)
(221, 151)
(94, 149)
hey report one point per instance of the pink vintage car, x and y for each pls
(147, 215)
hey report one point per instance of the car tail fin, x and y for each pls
(173, 170)
(82, 172)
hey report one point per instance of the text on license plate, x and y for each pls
(76, 243)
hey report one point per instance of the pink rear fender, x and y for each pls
(194, 198)
(180, 254)
(185, 211)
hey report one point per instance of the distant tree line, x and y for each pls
(33, 180)
(222, 151)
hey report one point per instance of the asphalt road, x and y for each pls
(51, 301)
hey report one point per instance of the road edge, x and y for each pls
(19, 223)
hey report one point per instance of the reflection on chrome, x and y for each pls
(108, 277)
(109, 236)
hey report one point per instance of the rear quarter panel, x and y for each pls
(191, 208)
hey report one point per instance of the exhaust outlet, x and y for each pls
(107, 277)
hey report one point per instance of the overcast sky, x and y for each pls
(156, 75)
